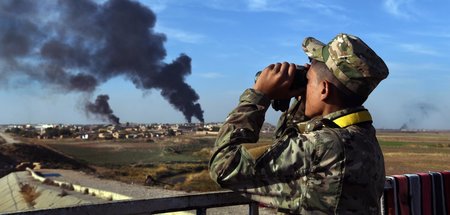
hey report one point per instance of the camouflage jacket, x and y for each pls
(323, 169)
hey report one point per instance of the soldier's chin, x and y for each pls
(310, 116)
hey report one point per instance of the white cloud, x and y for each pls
(400, 8)
(379, 36)
(325, 8)
(210, 75)
(282, 6)
(418, 49)
(295, 6)
(435, 34)
(392, 7)
(407, 68)
(257, 4)
(180, 35)
(418, 74)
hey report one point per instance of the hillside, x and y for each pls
(14, 154)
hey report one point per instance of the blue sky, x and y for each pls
(229, 41)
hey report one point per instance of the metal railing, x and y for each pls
(198, 202)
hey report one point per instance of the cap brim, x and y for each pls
(313, 48)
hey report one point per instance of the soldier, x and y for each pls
(329, 164)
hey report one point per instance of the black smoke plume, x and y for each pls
(418, 113)
(102, 109)
(76, 45)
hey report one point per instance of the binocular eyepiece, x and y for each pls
(299, 82)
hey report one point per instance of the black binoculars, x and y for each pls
(300, 81)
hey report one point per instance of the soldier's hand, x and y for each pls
(275, 81)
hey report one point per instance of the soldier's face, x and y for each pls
(313, 102)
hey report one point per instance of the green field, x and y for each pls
(182, 161)
(408, 152)
(177, 162)
(125, 153)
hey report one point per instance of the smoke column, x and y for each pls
(102, 109)
(418, 113)
(76, 45)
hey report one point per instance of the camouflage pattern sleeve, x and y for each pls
(241, 126)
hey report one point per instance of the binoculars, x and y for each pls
(300, 81)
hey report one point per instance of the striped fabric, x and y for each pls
(438, 193)
(402, 193)
(446, 177)
(425, 182)
(421, 193)
(414, 194)
(390, 196)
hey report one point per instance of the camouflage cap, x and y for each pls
(350, 60)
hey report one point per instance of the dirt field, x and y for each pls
(415, 152)
(181, 162)
(177, 163)
(125, 152)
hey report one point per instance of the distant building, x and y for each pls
(119, 135)
(84, 136)
(105, 136)
(41, 127)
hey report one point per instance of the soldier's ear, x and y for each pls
(324, 90)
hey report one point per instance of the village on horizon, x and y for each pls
(135, 130)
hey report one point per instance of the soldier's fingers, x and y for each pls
(284, 69)
(291, 71)
(276, 68)
(267, 69)
(288, 72)
(270, 66)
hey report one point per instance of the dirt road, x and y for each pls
(136, 191)
(7, 138)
